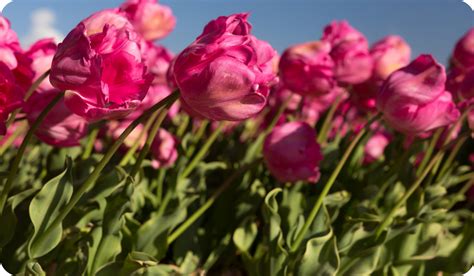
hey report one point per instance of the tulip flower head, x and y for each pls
(226, 73)
(101, 69)
(292, 154)
(413, 99)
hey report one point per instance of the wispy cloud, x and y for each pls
(42, 26)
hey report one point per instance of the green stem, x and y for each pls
(90, 143)
(199, 133)
(89, 182)
(149, 140)
(326, 127)
(182, 126)
(16, 162)
(450, 159)
(328, 185)
(161, 180)
(388, 219)
(429, 151)
(28, 94)
(205, 148)
(131, 151)
(10, 140)
(183, 227)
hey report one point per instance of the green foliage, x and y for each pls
(121, 226)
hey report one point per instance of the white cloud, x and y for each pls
(42, 26)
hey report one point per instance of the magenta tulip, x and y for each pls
(463, 56)
(292, 154)
(350, 52)
(375, 147)
(41, 53)
(226, 73)
(389, 55)
(61, 127)
(413, 99)
(103, 73)
(9, 44)
(11, 95)
(164, 150)
(150, 19)
(307, 68)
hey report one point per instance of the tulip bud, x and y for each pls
(150, 19)
(307, 68)
(103, 73)
(375, 147)
(226, 73)
(41, 53)
(60, 127)
(11, 95)
(413, 99)
(163, 149)
(389, 55)
(463, 55)
(9, 44)
(292, 154)
(350, 52)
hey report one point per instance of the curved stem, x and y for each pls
(151, 136)
(328, 185)
(323, 133)
(205, 148)
(90, 143)
(199, 133)
(388, 219)
(89, 182)
(10, 140)
(183, 227)
(28, 94)
(429, 151)
(16, 162)
(131, 151)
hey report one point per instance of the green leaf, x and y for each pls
(9, 217)
(34, 269)
(278, 255)
(44, 209)
(321, 256)
(110, 243)
(245, 235)
(151, 237)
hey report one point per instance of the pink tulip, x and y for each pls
(466, 88)
(15, 127)
(150, 19)
(95, 23)
(389, 55)
(41, 53)
(375, 147)
(61, 127)
(470, 121)
(307, 68)
(9, 44)
(103, 73)
(350, 52)
(413, 99)
(292, 154)
(164, 150)
(116, 128)
(463, 56)
(11, 95)
(157, 59)
(364, 95)
(226, 73)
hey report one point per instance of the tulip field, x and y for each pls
(333, 157)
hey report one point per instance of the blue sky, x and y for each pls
(429, 26)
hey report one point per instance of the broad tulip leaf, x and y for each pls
(45, 208)
(278, 253)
